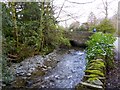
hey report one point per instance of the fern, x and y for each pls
(92, 75)
(97, 72)
(90, 80)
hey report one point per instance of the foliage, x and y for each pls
(74, 26)
(97, 72)
(27, 34)
(105, 26)
(100, 46)
(99, 55)
(62, 40)
(92, 27)
(96, 64)
(6, 74)
(95, 69)
(84, 27)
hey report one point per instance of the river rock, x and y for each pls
(66, 74)
(27, 66)
(69, 77)
(91, 85)
(49, 67)
(97, 82)
(28, 74)
(57, 76)
(44, 69)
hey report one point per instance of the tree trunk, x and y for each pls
(15, 29)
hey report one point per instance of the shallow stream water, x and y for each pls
(68, 72)
(60, 69)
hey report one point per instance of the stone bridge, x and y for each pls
(78, 38)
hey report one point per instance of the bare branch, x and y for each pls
(71, 16)
(71, 2)
(103, 3)
(61, 9)
(69, 19)
(65, 20)
(81, 3)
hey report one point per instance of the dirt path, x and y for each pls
(113, 78)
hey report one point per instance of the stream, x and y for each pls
(66, 73)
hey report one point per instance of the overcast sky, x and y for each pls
(82, 11)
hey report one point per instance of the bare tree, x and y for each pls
(61, 9)
(92, 19)
(68, 14)
(105, 4)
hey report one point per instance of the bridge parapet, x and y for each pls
(78, 38)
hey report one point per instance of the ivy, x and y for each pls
(97, 72)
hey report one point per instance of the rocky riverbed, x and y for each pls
(59, 69)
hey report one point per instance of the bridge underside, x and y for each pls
(77, 44)
(78, 39)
